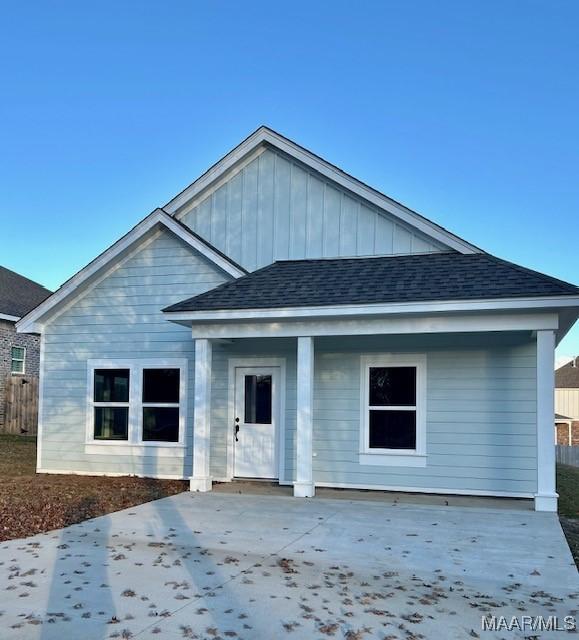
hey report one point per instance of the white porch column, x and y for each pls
(201, 479)
(304, 483)
(546, 496)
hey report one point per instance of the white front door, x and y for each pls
(256, 422)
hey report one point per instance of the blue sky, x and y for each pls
(464, 111)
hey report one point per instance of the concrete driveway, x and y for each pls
(267, 567)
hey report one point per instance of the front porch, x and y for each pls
(484, 405)
(242, 487)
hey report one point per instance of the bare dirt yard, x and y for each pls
(32, 503)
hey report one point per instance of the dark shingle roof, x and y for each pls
(408, 278)
(19, 295)
(567, 376)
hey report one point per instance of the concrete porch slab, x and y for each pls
(262, 567)
(265, 487)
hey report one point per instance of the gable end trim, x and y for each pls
(267, 137)
(30, 322)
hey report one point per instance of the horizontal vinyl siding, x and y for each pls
(481, 417)
(275, 209)
(567, 402)
(120, 318)
(220, 427)
(480, 411)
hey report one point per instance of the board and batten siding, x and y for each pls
(480, 424)
(120, 318)
(275, 209)
(567, 403)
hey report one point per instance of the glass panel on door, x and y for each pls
(256, 422)
(257, 399)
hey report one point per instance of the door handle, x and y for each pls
(236, 431)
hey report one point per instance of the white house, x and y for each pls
(280, 319)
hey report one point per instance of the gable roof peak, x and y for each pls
(264, 135)
(31, 322)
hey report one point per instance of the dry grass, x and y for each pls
(568, 489)
(32, 503)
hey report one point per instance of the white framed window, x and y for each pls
(18, 360)
(136, 403)
(110, 403)
(393, 409)
(160, 404)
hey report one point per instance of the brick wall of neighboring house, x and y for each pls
(563, 433)
(8, 339)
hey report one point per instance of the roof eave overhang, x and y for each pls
(569, 303)
(33, 321)
(526, 315)
(8, 317)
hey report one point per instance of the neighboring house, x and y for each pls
(19, 353)
(567, 403)
(280, 319)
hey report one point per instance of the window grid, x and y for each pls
(135, 404)
(18, 360)
(418, 362)
(99, 406)
(156, 404)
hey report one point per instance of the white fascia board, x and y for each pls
(445, 306)
(215, 172)
(31, 323)
(381, 201)
(211, 182)
(5, 316)
(268, 137)
(464, 323)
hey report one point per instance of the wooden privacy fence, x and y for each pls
(21, 415)
(567, 455)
